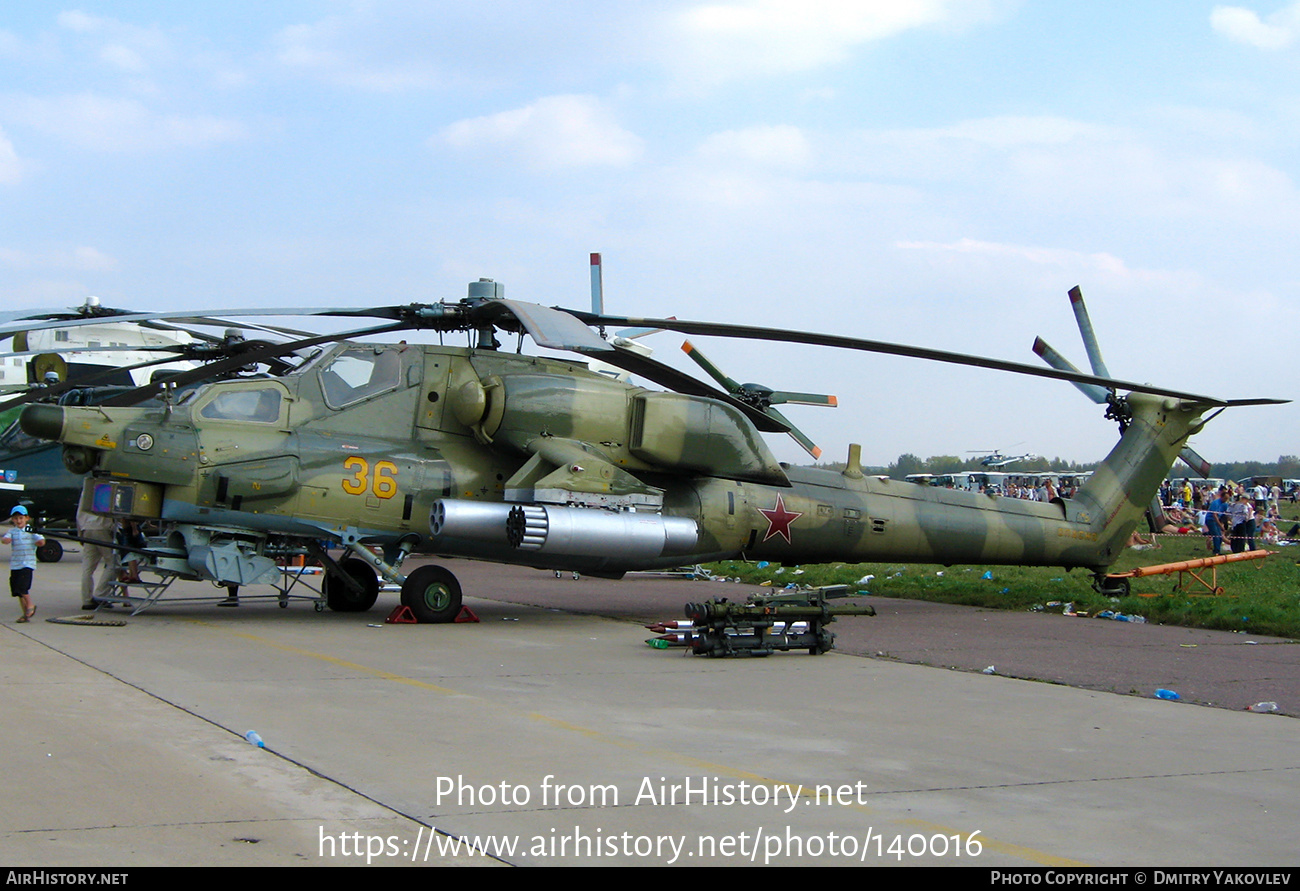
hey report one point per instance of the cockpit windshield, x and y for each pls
(261, 404)
(359, 373)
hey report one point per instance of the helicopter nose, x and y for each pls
(44, 421)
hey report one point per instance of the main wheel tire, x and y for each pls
(340, 596)
(50, 552)
(433, 595)
(1116, 588)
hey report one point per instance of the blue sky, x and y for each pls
(935, 172)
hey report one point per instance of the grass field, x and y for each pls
(1261, 596)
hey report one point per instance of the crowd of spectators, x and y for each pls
(1233, 517)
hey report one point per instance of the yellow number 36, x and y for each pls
(384, 484)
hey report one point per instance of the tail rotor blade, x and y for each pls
(1049, 355)
(1085, 329)
(1196, 462)
(780, 397)
(762, 398)
(796, 434)
(710, 369)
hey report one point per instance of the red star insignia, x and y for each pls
(779, 520)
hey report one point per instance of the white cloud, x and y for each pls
(304, 46)
(1054, 167)
(726, 41)
(1243, 25)
(10, 45)
(122, 57)
(315, 48)
(128, 47)
(781, 146)
(29, 51)
(83, 23)
(1008, 131)
(81, 258)
(553, 132)
(11, 168)
(106, 124)
(1076, 262)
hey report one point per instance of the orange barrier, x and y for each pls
(1189, 567)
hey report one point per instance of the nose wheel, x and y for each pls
(342, 597)
(432, 594)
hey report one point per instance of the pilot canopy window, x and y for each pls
(261, 405)
(358, 374)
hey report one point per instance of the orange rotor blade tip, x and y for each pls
(816, 452)
(833, 401)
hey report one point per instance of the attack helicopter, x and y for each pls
(388, 449)
(86, 364)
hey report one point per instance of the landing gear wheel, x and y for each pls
(1109, 587)
(341, 598)
(433, 594)
(50, 552)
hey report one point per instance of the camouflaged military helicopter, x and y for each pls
(95, 361)
(493, 455)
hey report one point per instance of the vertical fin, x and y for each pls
(1118, 493)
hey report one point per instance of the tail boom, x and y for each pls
(829, 517)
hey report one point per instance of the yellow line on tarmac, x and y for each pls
(590, 733)
(332, 660)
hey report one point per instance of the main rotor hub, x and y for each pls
(487, 289)
(756, 395)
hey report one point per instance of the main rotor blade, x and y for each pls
(218, 322)
(64, 348)
(111, 316)
(634, 333)
(82, 381)
(206, 351)
(252, 357)
(554, 329)
(68, 320)
(747, 332)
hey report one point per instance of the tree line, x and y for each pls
(1286, 466)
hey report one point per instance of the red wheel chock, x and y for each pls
(402, 615)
